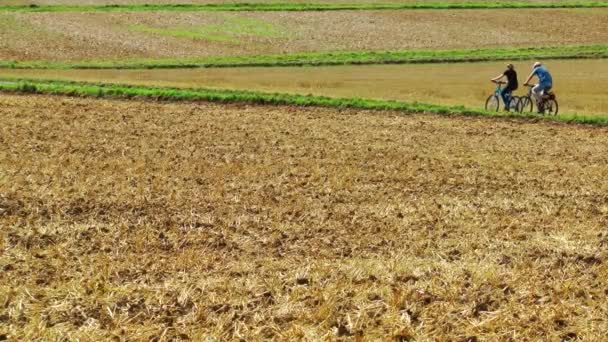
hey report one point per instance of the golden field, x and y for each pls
(168, 34)
(581, 85)
(135, 220)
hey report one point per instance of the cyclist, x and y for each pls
(511, 76)
(545, 83)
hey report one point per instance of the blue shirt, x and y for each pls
(544, 77)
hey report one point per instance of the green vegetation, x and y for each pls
(230, 30)
(307, 7)
(230, 96)
(329, 58)
(185, 32)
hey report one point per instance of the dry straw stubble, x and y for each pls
(167, 34)
(138, 219)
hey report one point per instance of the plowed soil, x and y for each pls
(134, 220)
(76, 36)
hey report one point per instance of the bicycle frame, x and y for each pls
(498, 92)
(540, 102)
(498, 89)
(510, 101)
(531, 95)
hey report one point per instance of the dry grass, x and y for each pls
(581, 85)
(136, 220)
(75, 36)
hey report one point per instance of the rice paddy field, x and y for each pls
(167, 34)
(134, 220)
(155, 217)
(582, 85)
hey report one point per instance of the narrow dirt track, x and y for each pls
(135, 219)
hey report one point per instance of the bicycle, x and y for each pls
(526, 101)
(493, 101)
(548, 103)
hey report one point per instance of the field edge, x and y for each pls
(105, 90)
(330, 58)
(303, 6)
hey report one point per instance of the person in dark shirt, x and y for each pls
(512, 84)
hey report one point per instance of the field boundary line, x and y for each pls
(330, 58)
(122, 91)
(304, 6)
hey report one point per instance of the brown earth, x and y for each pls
(132, 220)
(75, 36)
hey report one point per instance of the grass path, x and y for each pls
(304, 7)
(100, 90)
(328, 58)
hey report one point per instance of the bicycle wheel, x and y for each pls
(551, 107)
(514, 104)
(492, 103)
(526, 105)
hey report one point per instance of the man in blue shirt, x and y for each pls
(545, 82)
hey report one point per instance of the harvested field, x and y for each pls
(581, 85)
(133, 220)
(76, 36)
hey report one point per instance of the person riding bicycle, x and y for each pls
(545, 83)
(512, 84)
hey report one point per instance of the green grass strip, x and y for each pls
(101, 90)
(304, 7)
(329, 58)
